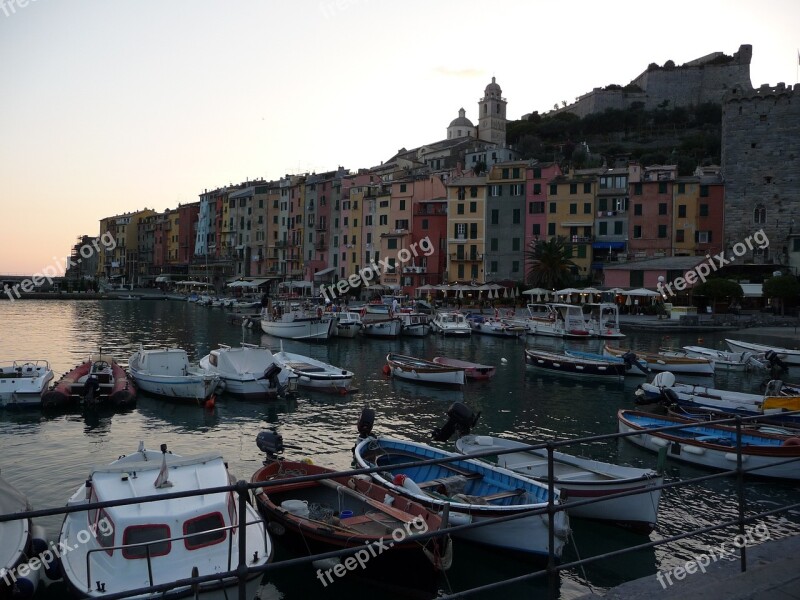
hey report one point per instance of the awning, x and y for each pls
(611, 245)
(752, 290)
(323, 272)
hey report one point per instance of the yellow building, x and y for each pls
(685, 216)
(466, 220)
(570, 214)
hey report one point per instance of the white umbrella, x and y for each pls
(535, 291)
(505, 292)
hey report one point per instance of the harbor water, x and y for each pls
(47, 456)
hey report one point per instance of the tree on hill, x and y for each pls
(550, 264)
(783, 288)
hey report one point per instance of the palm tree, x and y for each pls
(550, 264)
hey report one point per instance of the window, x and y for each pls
(515, 244)
(402, 187)
(473, 207)
(573, 188)
(553, 189)
(703, 210)
(796, 244)
(537, 188)
(662, 231)
(536, 208)
(473, 271)
(345, 221)
(637, 231)
(461, 270)
(461, 231)
(587, 188)
(760, 214)
(383, 219)
(603, 228)
(461, 193)
(515, 172)
(473, 231)
(424, 223)
(662, 208)
(679, 235)
(517, 189)
(505, 173)
(493, 244)
(573, 208)
(537, 173)
(391, 243)
(551, 229)
(515, 266)
(681, 188)
(703, 237)
(637, 189)
(552, 208)
(637, 210)
(704, 191)
(637, 279)
(587, 208)
(199, 526)
(369, 237)
(473, 191)
(496, 190)
(582, 250)
(460, 209)
(495, 216)
(537, 229)
(681, 211)
(139, 534)
(602, 204)
(618, 227)
(493, 266)
(515, 216)
(402, 204)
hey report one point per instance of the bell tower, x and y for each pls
(492, 115)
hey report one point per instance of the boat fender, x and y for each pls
(405, 482)
(459, 518)
(209, 404)
(693, 450)
(386, 369)
(792, 441)
(661, 443)
(731, 456)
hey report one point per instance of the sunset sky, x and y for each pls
(112, 106)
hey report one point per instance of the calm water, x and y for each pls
(47, 457)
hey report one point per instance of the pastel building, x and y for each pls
(570, 214)
(537, 178)
(466, 216)
(504, 221)
(650, 222)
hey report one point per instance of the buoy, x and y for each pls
(404, 481)
(211, 402)
(504, 361)
(386, 369)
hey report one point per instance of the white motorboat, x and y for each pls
(602, 320)
(496, 327)
(383, 328)
(315, 374)
(167, 372)
(581, 478)
(414, 324)
(20, 539)
(730, 361)
(789, 356)
(296, 324)
(154, 543)
(471, 491)
(347, 324)
(22, 383)
(249, 371)
(423, 371)
(450, 323)
(554, 320)
(665, 362)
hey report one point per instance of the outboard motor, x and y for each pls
(776, 365)
(631, 361)
(460, 418)
(670, 397)
(365, 422)
(271, 374)
(270, 442)
(90, 390)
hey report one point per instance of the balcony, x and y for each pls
(580, 239)
(466, 257)
(280, 244)
(430, 212)
(414, 269)
(321, 245)
(395, 232)
(321, 227)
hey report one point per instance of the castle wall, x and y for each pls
(761, 165)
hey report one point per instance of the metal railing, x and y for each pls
(552, 569)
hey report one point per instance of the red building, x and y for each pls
(651, 209)
(536, 186)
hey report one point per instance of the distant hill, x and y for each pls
(685, 135)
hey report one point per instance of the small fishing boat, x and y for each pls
(249, 371)
(497, 327)
(472, 370)
(471, 490)
(166, 372)
(293, 323)
(713, 445)
(581, 478)
(21, 541)
(675, 363)
(22, 383)
(331, 514)
(450, 323)
(151, 543)
(729, 361)
(554, 320)
(98, 380)
(382, 328)
(347, 324)
(314, 374)
(633, 364)
(776, 399)
(789, 356)
(423, 371)
(602, 320)
(414, 324)
(566, 364)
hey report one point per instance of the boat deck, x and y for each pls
(298, 365)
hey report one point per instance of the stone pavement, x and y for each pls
(773, 573)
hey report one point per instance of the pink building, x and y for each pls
(536, 180)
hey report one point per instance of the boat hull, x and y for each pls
(118, 390)
(22, 384)
(573, 366)
(388, 329)
(790, 357)
(303, 329)
(314, 374)
(473, 371)
(422, 371)
(673, 364)
(190, 388)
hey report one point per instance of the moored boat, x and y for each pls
(731, 361)
(787, 355)
(347, 324)
(166, 372)
(472, 491)
(496, 327)
(713, 445)
(472, 370)
(567, 364)
(423, 371)
(414, 324)
(450, 323)
(98, 380)
(382, 328)
(315, 374)
(674, 364)
(353, 512)
(581, 478)
(554, 320)
(22, 383)
(249, 371)
(295, 324)
(633, 364)
(152, 543)
(602, 320)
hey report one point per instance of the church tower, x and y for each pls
(492, 115)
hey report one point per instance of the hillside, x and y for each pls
(686, 136)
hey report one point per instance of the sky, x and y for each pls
(110, 106)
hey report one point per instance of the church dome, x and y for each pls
(493, 89)
(461, 127)
(461, 120)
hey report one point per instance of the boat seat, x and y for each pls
(505, 494)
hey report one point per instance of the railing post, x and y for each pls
(740, 492)
(552, 574)
(241, 570)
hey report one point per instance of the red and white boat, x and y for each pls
(98, 380)
(471, 370)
